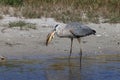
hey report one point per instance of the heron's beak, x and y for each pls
(50, 37)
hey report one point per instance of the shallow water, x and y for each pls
(104, 67)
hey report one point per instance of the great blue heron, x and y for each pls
(71, 30)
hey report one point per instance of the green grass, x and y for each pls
(12, 2)
(68, 10)
(23, 25)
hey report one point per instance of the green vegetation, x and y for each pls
(68, 10)
(12, 2)
(23, 25)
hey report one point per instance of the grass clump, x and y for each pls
(22, 24)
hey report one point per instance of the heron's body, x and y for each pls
(78, 30)
(71, 30)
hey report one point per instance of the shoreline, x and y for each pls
(15, 42)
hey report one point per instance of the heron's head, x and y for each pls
(50, 36)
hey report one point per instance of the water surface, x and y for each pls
(103, 67)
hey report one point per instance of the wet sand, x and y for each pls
(16, 43)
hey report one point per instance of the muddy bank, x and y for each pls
(21, 43)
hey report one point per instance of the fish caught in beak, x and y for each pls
(50, 37)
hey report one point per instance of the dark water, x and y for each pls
(93, 68)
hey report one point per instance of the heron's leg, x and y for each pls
(70, 49)
(79, 40)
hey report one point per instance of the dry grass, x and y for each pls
(70, 10)
(22, 24)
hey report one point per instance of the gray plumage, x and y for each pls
(74, 30)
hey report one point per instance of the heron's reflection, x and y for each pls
(74, 72)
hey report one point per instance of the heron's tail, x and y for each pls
(94, 32)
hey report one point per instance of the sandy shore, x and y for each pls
(15, 43)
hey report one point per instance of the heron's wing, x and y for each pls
(81, 31)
